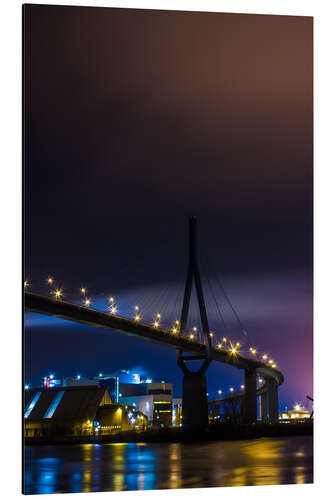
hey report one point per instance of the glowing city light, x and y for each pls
(219, 391)
(156, 324)
(78, 377)
(260, 381)
(237, 344)
(219, 346)
(264, 356)
(174, 330)
(253, 350)
(211, 334)
(224, 339)
(49, 280)
(26, 284)
(100, 374)
(231, 389)
(58, 293)
(191, 336)
(273, 365)
(233, 350)
(83, 290)
(177, 322)
(137, 317)
(194, 328)
(113, 309)
(111, 299)
(87, 302)
(271, 362)
(136, 308)
(158, 315)
(26, 387)
(242, 386)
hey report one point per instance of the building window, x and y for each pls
(31, 405)
(53, 406)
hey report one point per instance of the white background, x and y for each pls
(10, 246)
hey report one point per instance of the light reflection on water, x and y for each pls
(140, 466)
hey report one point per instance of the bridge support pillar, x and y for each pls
(263, 406)
(273, 403)
(195, 407)
(250, 400)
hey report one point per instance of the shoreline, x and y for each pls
(220, 432)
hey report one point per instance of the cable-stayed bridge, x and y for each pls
(211, 347)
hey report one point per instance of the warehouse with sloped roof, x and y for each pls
(65, 411)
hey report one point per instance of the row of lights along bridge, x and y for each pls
(224, 343)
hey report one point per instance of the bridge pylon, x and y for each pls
(195, 407)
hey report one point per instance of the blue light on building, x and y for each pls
(53, 406)
(31, 405)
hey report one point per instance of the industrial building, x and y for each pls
(76, 411)
(137, 394)
(177, 412)
(297, 413)
(153, 399)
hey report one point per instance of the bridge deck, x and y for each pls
(65, 310)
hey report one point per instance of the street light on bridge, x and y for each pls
(58, 293)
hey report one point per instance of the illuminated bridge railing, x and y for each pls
(171, 338)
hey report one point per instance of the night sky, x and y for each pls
(136, 119)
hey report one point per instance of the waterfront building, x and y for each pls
(153, 399)
(177, 412)
(74, 411)
(297, 413)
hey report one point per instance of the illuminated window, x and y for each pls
(31, 405)
(53, 406)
